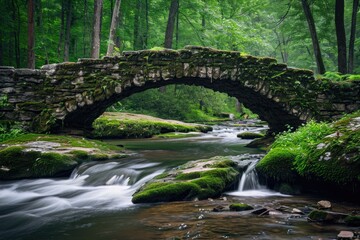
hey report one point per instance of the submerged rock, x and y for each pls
(201, 179)
(326, 216)
(345, 235)
(250, 135)
(323, 204)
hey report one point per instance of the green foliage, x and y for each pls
(181, 102)
(10, 130)
(250, 135)
(240, 207)
(4, 101)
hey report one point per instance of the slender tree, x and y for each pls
(16, 30)
(114, 24)
(31, 34)
(95, 49)
(62, 24)
(67, 30)
(340, 35)
(173, 10)
(352, 36)
(138, 25)
(314, 38)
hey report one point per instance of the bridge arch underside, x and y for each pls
(276, 114)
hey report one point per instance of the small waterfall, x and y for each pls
(249, 179)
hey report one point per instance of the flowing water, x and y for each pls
(95, 202)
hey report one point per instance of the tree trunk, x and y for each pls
(61, 38)
(16, 31)
(174, 7)
(352, 36)
(68, 28)
(114, 24)
(146, 33)
(340, 35)
(31, 35)
(1, 48)
(314, 38)
(95, 49)
(137, 27)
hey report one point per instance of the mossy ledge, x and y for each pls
(129, 125)
(199, 179)
(322, 157)
(39, 155)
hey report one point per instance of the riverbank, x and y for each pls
(40, 155)
(321, 157)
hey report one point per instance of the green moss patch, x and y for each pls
(240, 207)
(38, 155)
(250, 135)
(195, 180)
(125, 125)
(278, 165)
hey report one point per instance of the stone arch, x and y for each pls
(72, 95)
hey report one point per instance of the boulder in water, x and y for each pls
(201, 179)
(345, 235)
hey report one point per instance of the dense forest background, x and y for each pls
(313, 34)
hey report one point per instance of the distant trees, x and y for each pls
(301, 33)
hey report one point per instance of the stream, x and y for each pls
(95, 201)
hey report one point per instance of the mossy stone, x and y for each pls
(240, 207)
(180, 186)
(278, 165)
(318, 216)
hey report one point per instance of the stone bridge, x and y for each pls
(67, 96)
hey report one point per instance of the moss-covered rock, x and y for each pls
(326, 156)
(36, 155)
(250, 135)
(240, 207)
(278, 165)
(126, 125)
(196, 179)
